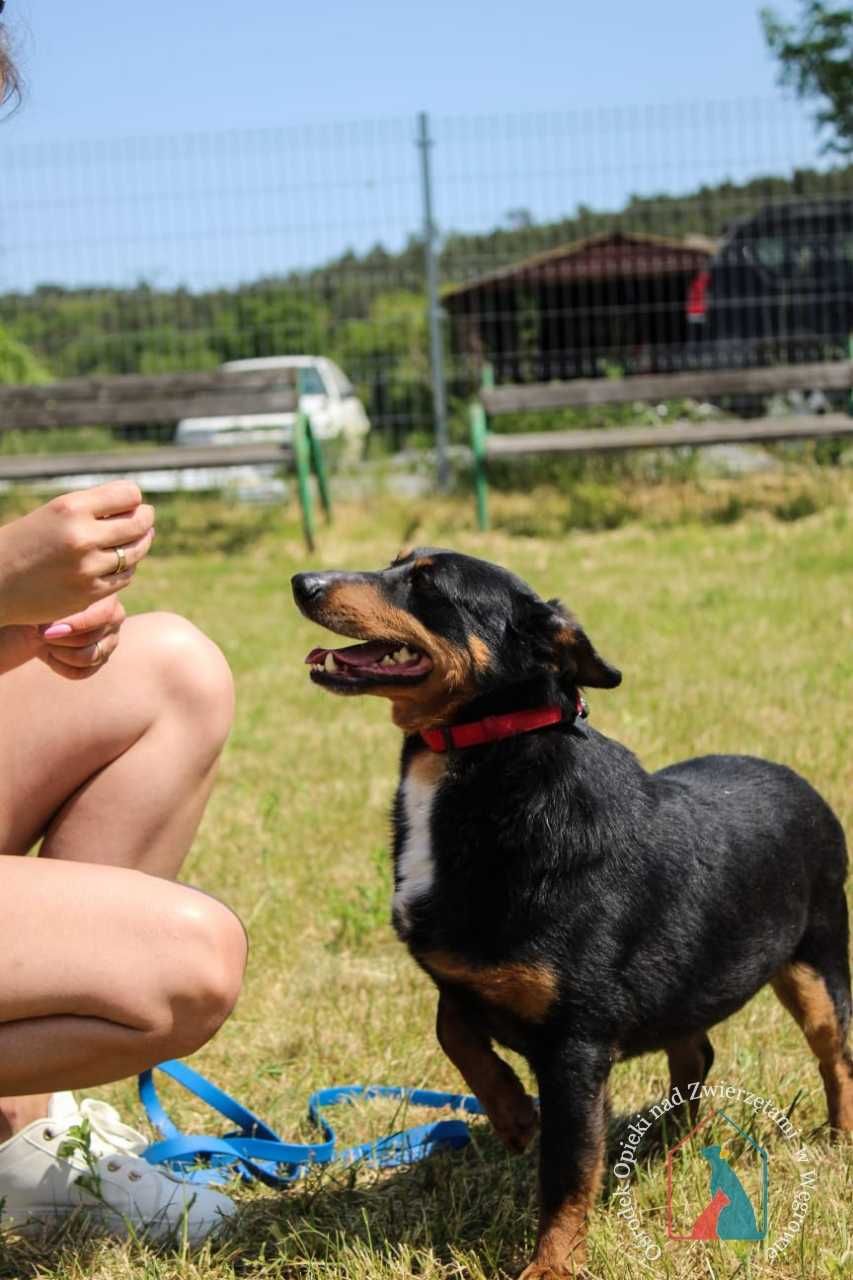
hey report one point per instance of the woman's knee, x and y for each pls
(204, 973)
(192, 676)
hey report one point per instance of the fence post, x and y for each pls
(302, 458)
(434, 313)
(479, 431)
(319, 463)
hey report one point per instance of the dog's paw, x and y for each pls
(516, 1123)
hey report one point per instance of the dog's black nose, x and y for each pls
(308, 587)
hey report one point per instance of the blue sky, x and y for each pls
(103, 67)
(205, 143)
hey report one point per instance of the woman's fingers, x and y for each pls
(81, 654)
(111, 566)
(129, 526)
(80, 639)
(103, 613)
(60, 558)
(86, 657)
(111, 499)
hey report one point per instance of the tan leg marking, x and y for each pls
(494, 1082)
(527, 990)
(561, 1246)
(803, 992)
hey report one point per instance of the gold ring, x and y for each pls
(121, 560)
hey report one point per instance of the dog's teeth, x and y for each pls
(387, 661)
(403, 654)
(330, 664)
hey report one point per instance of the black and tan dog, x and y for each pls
(566, 903)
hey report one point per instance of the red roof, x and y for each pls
(617, 253)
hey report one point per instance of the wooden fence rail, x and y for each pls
(648, 387)
(135, 399)
(130, 399)
(836, 376)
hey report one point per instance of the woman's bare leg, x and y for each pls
(113, 770)
(127, 969)
(116, 769)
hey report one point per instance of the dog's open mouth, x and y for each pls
(374, 662)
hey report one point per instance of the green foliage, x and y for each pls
(815, 56)
(796, 507)
(18, 364)
(79, 1142)
(59, 440)
(387, 353)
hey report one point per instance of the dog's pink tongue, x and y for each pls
(356, 655)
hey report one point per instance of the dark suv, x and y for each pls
(779, 290)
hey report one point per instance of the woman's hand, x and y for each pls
(75, 647)
(61, 558)
(78, 646)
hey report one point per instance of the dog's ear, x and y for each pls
(577, 659)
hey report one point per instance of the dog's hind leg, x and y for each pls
(494, 1082)
(821, 1006)
(690, 1059)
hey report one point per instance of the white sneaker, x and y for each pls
(114, 1188)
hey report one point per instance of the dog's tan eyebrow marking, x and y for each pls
(527, 990)
(480, 652)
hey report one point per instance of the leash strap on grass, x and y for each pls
(254, 1151)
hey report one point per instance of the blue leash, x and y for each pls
(254, 1150)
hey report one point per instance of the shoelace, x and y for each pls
(110, 1135)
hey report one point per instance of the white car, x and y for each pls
(327, 397)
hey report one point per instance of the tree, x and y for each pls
(816, 60)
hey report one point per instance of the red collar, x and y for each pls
(494, 728)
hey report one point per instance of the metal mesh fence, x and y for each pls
(571, 244)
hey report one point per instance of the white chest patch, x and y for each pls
(415, 866)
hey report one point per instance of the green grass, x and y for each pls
(734, 635)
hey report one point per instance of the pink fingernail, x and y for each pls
(57, 629)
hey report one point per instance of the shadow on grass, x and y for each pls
(480, 1200)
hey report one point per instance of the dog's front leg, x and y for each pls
(573, 1111)
(498, 1088)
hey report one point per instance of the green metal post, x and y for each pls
(479, 435)
(302, 458)
(319, 464)
(487, 376)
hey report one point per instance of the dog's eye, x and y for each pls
(422, 575)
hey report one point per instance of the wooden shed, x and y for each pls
(618, 298)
